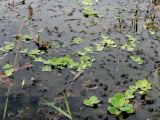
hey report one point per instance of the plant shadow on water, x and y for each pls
(92, 51)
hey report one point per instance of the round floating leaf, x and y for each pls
(113, 110)
(91, 101)
(128, 108)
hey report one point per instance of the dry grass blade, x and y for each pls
(77, 75)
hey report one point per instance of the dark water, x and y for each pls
(111, 66)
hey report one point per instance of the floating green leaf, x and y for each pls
(81, 53)
(8, 69)
(90, 23)
(46, 68)
(131, 45)
(118, 100)
(137, 59)
(91, 101)
(77, 40)
(114, 110)
(88, 11)
(128, 108)
(88, 49)
(26, 37)
(85, 61)
(119, 104)
(143, 85)
(35, 52)
(24, 51)
(87, 2)
(106, 41)
(99, 47)
(62, 62)
(8, 46)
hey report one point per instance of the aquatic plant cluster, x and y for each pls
(77, 62)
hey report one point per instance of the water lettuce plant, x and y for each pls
(62, 62)
(46, 68)
(25, 37)
(90, 23)
(7, 47)
(129, 93)
(81, 53)
(24, 51)
(106, 41)
(88, 49)
(8, 69)
(77, 40)
(93, 100)
(137, 59)
(99, 47)
(35, 52)
(131, 45)
(144, 86)
(119, 104)
(89, 12)
(87, 2)
(84, 62)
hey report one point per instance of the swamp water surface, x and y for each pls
(58, 22)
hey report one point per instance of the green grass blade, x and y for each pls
(67, 105)
(52, 104)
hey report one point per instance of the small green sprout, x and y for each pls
(93, 100)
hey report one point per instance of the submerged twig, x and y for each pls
(77, 75)
(6, 102)
(156, 78)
